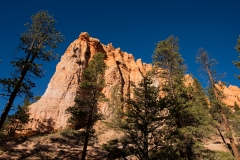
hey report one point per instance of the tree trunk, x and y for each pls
(84, 152)
(232, 142)
(231, 139)
(11, 99)
(145, 144)
(16, 90)
(19, 83)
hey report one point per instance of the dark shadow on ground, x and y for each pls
(63, 145)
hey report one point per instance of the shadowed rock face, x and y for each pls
(49, 112)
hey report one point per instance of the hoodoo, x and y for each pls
(49, 113)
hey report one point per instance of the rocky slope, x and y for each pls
(49, 112)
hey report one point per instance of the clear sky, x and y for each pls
(133, 25)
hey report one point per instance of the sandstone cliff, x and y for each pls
(231, 94)
(49, 112)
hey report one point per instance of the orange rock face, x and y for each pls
(231, 94)
(49, 112)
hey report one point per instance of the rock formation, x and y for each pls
(49, 112)
(231, 94)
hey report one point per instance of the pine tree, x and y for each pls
(200, 92)
(142, 123)
(207, 66)
(235, 119)
(237, 63)
(84, 113)
(115, 107)
(37, 43)
(188, 117)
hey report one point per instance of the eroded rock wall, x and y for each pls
(231, 94)
(49, 112)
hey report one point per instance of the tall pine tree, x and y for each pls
(188, 117)
(37, 43)
(142, 123)
(84, 113)
(207, 66)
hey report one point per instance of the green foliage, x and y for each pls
(201, 95)
(115, 107)
(218, 110)
(17, 120)
(141, 122)
(89, 92)
(3, 134)
(234, 119)
(216, 155)
(188, 117)
(37, 44)
(22, 113)
(207, 65)
(189, 120)
(236, 107)
(84, 113)
(73, 134)
(167, 57)
(114, 152)
(237, 63)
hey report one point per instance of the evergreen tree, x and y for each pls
(207, 66)
(142, 123)
(235, 121)
(237, 63)
(200, 93)
(115, 107)
(84, 113)
(37, 43)
(188, 117)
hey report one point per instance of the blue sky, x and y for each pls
(134, 26)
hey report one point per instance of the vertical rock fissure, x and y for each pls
(122, 79)
(129, 87)
(140, 71)
(69, 84)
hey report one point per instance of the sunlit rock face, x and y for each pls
(231, 94)
(49, 113)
